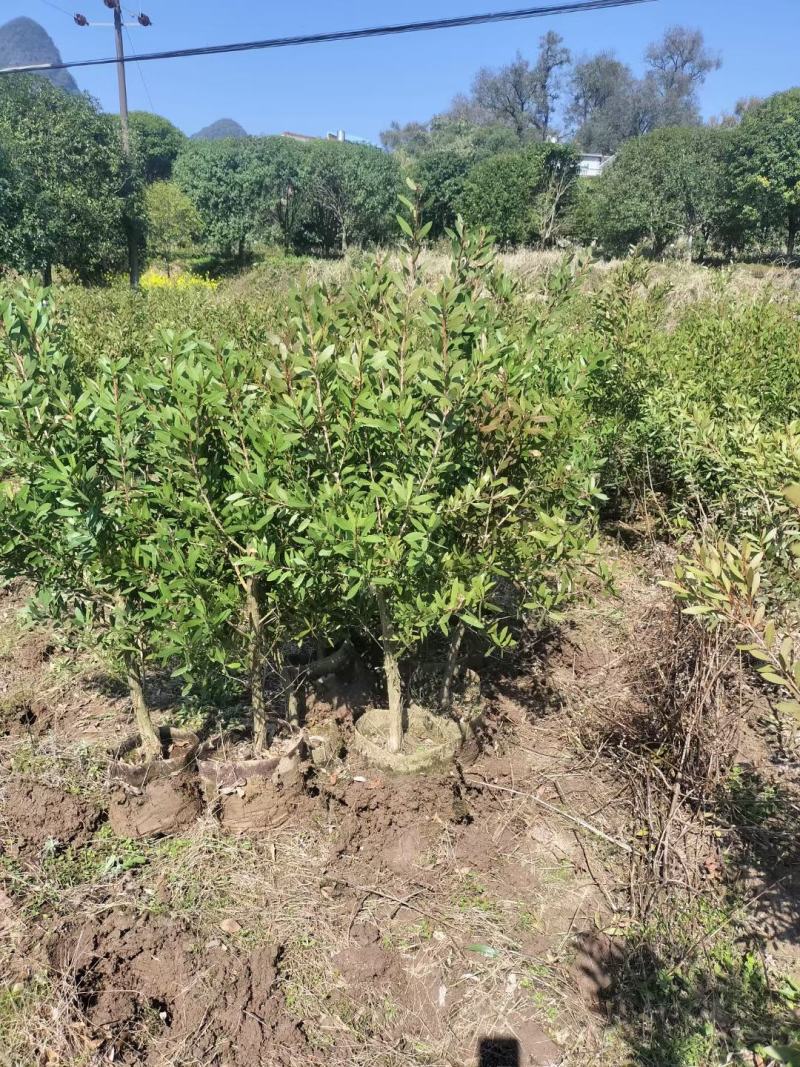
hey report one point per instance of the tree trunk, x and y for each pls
(453, 650)
(394, 685)
(47, 275)
(151, 742)
(791, 236)
(257, 701)
(294, 695)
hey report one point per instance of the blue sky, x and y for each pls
(362, 86)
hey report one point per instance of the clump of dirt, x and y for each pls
(23, 714)
(33, 650)
(261, 804)
(138, 974)
(365, 959)
(35, 813)
(160, 808)
(392, 822)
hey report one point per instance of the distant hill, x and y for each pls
(23, 41)
(219, 130)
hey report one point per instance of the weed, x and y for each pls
(689, 993)
(473, 896)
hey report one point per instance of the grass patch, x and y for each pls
(690, 992)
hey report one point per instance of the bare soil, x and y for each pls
(149, 991)
(346, 916)
(33, 814)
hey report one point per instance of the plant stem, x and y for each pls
(151, 742)
(257, 657)
(453, 650)
(391, 667)
(291, 681)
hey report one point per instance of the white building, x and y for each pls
(592, 164)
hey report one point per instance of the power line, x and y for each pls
(343, 35)
(57, 7)
(141, 73)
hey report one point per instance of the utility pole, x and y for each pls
(125, 136)
(133, 228)
(121, 80)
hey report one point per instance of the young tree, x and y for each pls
(156, 144)
(440, 456)
(764, 169)
(172, 221)
(77, 515)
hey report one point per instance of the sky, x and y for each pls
(361, 86)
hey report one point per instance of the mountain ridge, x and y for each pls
(23, 41)
(220, 130)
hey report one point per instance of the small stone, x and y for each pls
(230, 926)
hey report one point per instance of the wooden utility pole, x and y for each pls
(121, 80)
(132, 222)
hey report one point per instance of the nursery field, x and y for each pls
(399, 665)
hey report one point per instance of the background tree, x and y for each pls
(64, 180)
(279, 164)
(552, 57)
(350, 195)
(157, 143)
(609, 105)
(172, 221)
(661, 187)
(598, 85)
(522, 95)
(680, 60)
(764, 169)
(220, 178)
(413, 137)
(441, 170)
(520, 196)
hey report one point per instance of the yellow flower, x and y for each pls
(153, 279)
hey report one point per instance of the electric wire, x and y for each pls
(141, 72)
(341, 35)
(57, 7)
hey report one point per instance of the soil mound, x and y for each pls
(32, 813)
(23, 714)
(161, 808)
(392, 822)
(200, 1003)
(263, 805)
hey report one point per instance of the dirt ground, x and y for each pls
(491, 913)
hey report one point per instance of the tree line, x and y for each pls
(731, 187)
(596, 102)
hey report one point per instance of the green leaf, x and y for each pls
(484, 950)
